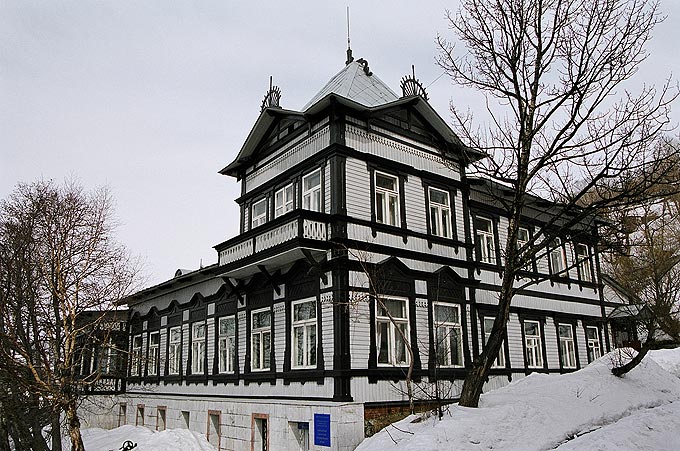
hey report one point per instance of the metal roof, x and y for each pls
(353, 83)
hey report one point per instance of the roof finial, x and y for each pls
(272, 97)
(349, 49)
(411, 86)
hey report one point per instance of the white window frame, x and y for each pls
(309, 345)
(154, 353)
(558, 262)
(392, 335)
(583, 260)
(439, 224)
(226, 345)
(383, 197)
(500, 359)
(448, 328)
(521, 242)
(284, 200)
(311, 196)
(198, 347)
(594, 349)
(174, 350)
(109, 360)
(567, 346)
(258, 360)
(260, 218)
(533, 346)
(487, 241)
(136, 358)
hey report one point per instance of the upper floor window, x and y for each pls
(392, 333)
(448, 335)
(260, 339)
(488, 325)
(110, 360)
(259, 213)
(227, 344)
(154, 343)
(557, 261)
(523, 239)
(283, 200)
(593, 337)
(136, 367)
(198, 348)
(386, 199)
(440, 213)
(565, 333)
(311, 191)
(485, 240)
(174, 350)
(583, 259)
(532, 344)
(304, 334)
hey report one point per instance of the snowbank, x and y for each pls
(171, 440)
(541, 412)
(668, 359)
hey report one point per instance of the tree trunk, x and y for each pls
(56, 433)
(73, 424)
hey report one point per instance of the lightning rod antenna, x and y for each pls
(349, 49)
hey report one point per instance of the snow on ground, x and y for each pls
(96, 439)
(542, 412)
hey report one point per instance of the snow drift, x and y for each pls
(541, 412)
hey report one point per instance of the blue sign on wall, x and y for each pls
(322, 429)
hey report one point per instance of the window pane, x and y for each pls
(400, 344)
(311, 338)
(383, 340)
(530, 328)
(303, 311)
(393, 208)
(454, 337)
(299, 346)
(386, 182)
(261, 319)
(227, 326)
(522, 235)
(483, 225)
(565, 331)
(592, 333)
(312, 180)
(266, 349)
(396, 308)
(256, 351)
(445, 314)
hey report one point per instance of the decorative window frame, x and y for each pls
(232, 352)
(308, 195)
(256, 221)
(598, 331)
(287, 204)
(448, 324)
(198, 366)
(304, 324)
(495, 257)
(383, 209)
(261, 331)
(136, 356)
(587, 276)
(177, 345)
(435, 228)
(153, 354)
(392, 333)
(565, 364)
(501, 362)
(553, 250)
(542, 344)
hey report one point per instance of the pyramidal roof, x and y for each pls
(355, 84)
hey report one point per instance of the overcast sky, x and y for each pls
(153, 98)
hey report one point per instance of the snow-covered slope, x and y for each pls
(542, 412)
(171, 440)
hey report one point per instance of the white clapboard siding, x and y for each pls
(359, 331)
(515, 344)
(279, 319)
(327, 188)
(242, 320)
(414, 199)
(292, 154)
(327, 334)
(210, 343)
(358, 189)
(582, 346)
(550, 333)
(422, 331)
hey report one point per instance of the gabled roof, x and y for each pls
(355, 84)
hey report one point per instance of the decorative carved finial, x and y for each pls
(272, 97)
(411, 86)
(364, 63)
(350, 58)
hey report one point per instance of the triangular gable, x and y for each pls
(446, 284)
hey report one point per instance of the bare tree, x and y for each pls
(58, 260)
(550, 71)
(647, 265)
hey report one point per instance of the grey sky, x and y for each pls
(153, 98)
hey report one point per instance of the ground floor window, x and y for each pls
(532, 344)
(488, 325)
(160, 418)
(593, 337)
(227, 344)
(448, 334)
(260, 339)
(139, 419)
(304, 334)
(565, 333)
(392, 331)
